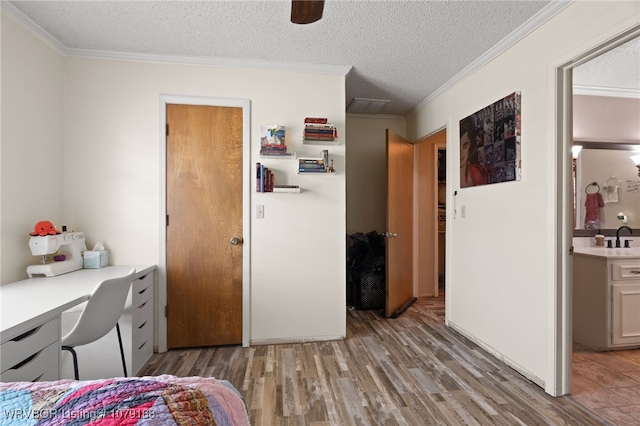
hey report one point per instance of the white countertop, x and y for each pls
(609, 253)
(27, 303)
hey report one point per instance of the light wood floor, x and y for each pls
(608, 383)
(411, 370)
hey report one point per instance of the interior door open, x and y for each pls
(399, 241)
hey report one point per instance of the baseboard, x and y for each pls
(500, 357)
(282, 341)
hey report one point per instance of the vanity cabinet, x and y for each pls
(606, 300)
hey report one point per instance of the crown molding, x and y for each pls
(612, 92)
(375, 116)
(23, 19)
(518, 34)
(15, 13)
(210, 61)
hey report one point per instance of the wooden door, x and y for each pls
(399, 243)
(204, 209)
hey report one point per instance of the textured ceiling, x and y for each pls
(403, 51)
(617, 69)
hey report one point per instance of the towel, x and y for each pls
(592, 210)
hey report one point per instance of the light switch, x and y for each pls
(463, 211)
(260, 211)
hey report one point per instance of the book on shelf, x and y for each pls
(311, 162)
(315, 120)
(313, 170)
(286, 188)
(264, 178)
(258, 176)
(275, 148)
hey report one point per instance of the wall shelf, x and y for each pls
(320, 142)
(291, 156)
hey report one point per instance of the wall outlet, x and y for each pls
(260, 211)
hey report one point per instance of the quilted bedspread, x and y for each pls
(159, 400)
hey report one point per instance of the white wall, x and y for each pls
(606, 119)
(31, 145)
(98, 170)
(501, 268)
(111, 133)
(366, 170)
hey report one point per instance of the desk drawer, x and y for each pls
(625, 271)
(142, 314)
(41, 366)
(142, 290)
(19, 348)
(142, 345)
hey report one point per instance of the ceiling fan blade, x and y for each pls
(306, 11)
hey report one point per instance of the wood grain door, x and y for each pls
(399, 243)
(204, 208)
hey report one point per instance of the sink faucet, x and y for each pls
(618, 236)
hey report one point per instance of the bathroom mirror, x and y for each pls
(606, 107)
(606, 169)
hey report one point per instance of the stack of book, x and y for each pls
(272, 140)
(275, 150)
(318, 129)
(265, 181)
(264, 178)
(314, 165)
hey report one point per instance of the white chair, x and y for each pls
(98, 317)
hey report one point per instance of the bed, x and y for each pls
(159, 400)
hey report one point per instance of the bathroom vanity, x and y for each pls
(606, 297)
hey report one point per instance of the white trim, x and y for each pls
(245, 104)
(23, 19)
(605, 91)
(297, 340)
(210, 61)
(562, 213)
(499, 355)
(518, 34)
(375, 116)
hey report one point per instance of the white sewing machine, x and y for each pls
(71, 245)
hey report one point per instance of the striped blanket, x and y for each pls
(161, 400)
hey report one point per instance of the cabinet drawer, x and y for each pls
(625, 271)
(21, 347)
(42, 365)
(142, 346)
(142, 290)
(140, 355)
(143, 314)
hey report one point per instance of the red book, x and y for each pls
(315, 120)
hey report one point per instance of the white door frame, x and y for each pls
(564, 214)
(161, 299)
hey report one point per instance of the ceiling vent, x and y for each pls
(366, 106)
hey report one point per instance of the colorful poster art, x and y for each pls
(490, 144)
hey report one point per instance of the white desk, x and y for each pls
(35, 305)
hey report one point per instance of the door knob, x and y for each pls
(235, 241)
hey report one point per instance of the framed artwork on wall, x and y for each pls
(490, 144)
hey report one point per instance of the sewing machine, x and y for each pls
(71, 245)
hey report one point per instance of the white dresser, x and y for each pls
(31, 326)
